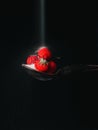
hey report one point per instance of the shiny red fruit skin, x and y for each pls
(44, 53)
(52, 67)
(31, 59)
(41, 67)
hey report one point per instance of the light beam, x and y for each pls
(42, 20)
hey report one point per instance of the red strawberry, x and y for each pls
(44, 53)
(52, 67)
(41, 65)
(31, 59)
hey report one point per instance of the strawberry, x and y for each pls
(52, 67)
(41, 65)
(44, 53)
(31, 59)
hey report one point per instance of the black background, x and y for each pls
(66, 103)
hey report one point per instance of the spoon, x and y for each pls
(61, 72)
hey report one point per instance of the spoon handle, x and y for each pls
(78, 68)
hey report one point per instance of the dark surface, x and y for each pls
(66, 103)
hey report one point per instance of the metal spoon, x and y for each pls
(61, 72)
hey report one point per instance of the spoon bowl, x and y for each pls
(39, 75)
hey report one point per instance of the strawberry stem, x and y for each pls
(43, 61)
